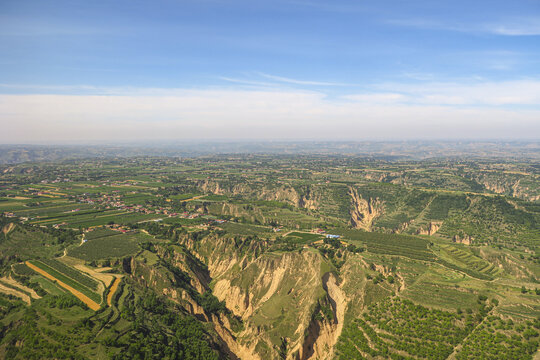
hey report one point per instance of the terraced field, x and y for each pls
(90, 298)
(72, 273)
(12, 290)
(467, 261)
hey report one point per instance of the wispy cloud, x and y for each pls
(301, 82)
(516, 27)
(418, 76)
(426, 23)
(330, 6)
(247, 82)
(86, 90)
(273, 81)
(13, 26)
(525, 26)
(476, 93)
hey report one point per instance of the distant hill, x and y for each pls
(391, 150)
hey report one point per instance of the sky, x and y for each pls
(126, 71)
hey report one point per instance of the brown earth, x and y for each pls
(7, 290)
(13, 282)
(106, 278)
(8, 228)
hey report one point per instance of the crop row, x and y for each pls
(74, 274)
(98, 233)
(470, 272)
(106, 247)
(397, 249)
(473, 262)
(392, 244)
(68, 281)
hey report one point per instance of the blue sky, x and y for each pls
(269, 69)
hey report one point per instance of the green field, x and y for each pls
(99, 232)
(392, 244)
(245, 229)
(108, 247)
(464, 259)
(303, 238)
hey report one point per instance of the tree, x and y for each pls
(282, 351)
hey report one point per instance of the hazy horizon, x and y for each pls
(175, 142)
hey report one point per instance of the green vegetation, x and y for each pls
(158, 329)
(496, 338)
(435, 259)
(98, 233)
(399, 329)
(22, 269)
(106, 247)
(58, 327)
(299, 237)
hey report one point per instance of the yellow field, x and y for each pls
(193, 198)
(9, 291)
(10, 281)
(56, 193)
(114, 287)
(106, 278)
(8, 228)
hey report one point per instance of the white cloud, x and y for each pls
(378, 98)
(406, 112)
(518, 92)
